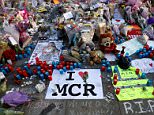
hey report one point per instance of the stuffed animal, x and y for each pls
(106, 43)
(96, 57)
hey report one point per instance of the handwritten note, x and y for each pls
(68, 15)
(126, 74)
(131, 46)
(146, 65)
(135, 93)
(131, 88)
(131, 82)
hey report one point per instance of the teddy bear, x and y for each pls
(106, 43)
(96, 57)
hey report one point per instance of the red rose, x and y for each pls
(9, 54)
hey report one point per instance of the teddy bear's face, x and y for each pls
(106, 42)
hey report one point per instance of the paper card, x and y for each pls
(12, 40)
(34, 3)
(146, 65)
(126, 74)
(76, 85)
(1, 76)
(110, 57)
(95, 6)
(46, 51)
(131, 46)
(103, 1)
(131, 82)
(135, 93)
(11, 29)
(68, 15)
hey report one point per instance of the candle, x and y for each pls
(61, 58)
(61, 71)
(34, 71)
(115, 76)
(50, 77)
(50, 72)
(50, 67)
(137, 71)
(115, 81)
(117, 91)
(103, 68)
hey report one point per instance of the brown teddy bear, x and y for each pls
(107, 44)
(96, 57)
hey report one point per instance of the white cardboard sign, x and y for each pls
(61, 88)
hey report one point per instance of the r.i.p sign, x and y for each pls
(74, 85)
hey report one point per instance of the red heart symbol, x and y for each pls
(118, 20)
(81, 74)
(150, 64)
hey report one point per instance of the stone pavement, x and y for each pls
(107, 106)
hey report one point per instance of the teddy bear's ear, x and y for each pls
(103, 36)
(106, 35)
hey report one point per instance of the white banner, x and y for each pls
(71, 85)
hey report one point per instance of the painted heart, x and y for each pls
(150, 64)
(81, 74)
